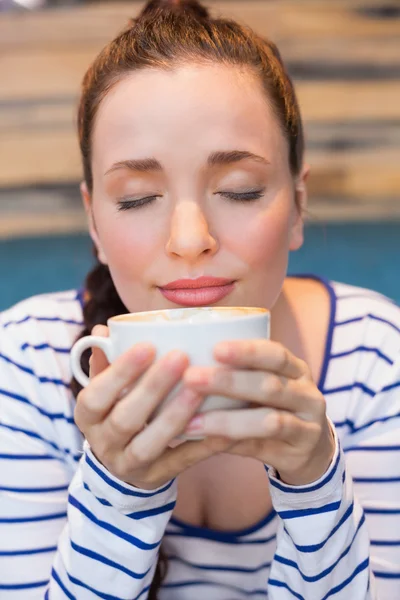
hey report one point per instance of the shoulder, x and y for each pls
(36, 336)
(365, 316)
(362, 371)
(43, 318)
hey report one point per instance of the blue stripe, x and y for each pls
(106, 561)
(29, 371)
(27, 457)
(333, 591)
(331, 328)
(296, 490)
(385, 542)
(110, 528)
(52, 416)
(385, 575)
(56, 578)
(226, 535)
(376, 479)
(99, 594)
(36, 436)
(15, 364)
(306, 512)
(45, 346)
(225, 586)
(122, 489)
(382, 511)
(351, 386)
(392, 386)
(23, 586)
(316, 547)
(361, 567)
(138, 514)
(40, 490)
(326, 571)
(353, 429)
(61, 515)
(283, 584)
(372, 449)
(28, 552)
(364, 349)
(46, 319)
(152, 512)
(218, 535)
(369, 316)
(230, 569)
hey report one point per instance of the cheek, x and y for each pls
(262, 240)
(126, 243)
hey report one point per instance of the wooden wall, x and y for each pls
(344, 56)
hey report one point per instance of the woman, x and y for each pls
(192, 149)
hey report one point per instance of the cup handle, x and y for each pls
(104, 343)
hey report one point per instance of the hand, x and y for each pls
(286, 427)
(113, 411)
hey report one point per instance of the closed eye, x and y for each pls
(249, 196)
(127, 203)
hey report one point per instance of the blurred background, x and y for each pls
(344, 56)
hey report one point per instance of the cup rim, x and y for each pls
(253, 311)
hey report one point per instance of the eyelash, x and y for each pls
(250, 196)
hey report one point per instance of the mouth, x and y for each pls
(203, 291)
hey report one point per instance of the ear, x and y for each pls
(297, 230)
(87, 203)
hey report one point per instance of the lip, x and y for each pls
(202, 291)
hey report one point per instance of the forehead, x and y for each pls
(186, 109)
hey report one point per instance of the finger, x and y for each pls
(98, 360)
(267, 389)
(132, 412)
(173, 461)
(96, 400)
(264, 355)
(154, 439)
(251, 423)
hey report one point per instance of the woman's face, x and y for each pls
(202, 147)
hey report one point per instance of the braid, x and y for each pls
(102, 302)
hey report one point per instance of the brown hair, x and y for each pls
(166, 34)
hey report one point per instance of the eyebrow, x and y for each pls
(148, 165)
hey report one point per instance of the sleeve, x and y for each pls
(322, 542)
(340, 536)
(68, 528)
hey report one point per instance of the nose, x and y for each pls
(190, 237)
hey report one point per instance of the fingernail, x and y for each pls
(143, 352)
(196, 424)
(174, 358)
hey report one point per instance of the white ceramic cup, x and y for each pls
(194, 331)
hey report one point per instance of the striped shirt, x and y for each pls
(70, 529)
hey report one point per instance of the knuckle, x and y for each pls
(276, 422)
(283, 357)
(119, 468)
(139, 454)
(119, 423)
(272, 385)
(87, 404)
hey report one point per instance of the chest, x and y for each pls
(224, 493)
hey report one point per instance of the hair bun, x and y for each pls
(192, 7)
